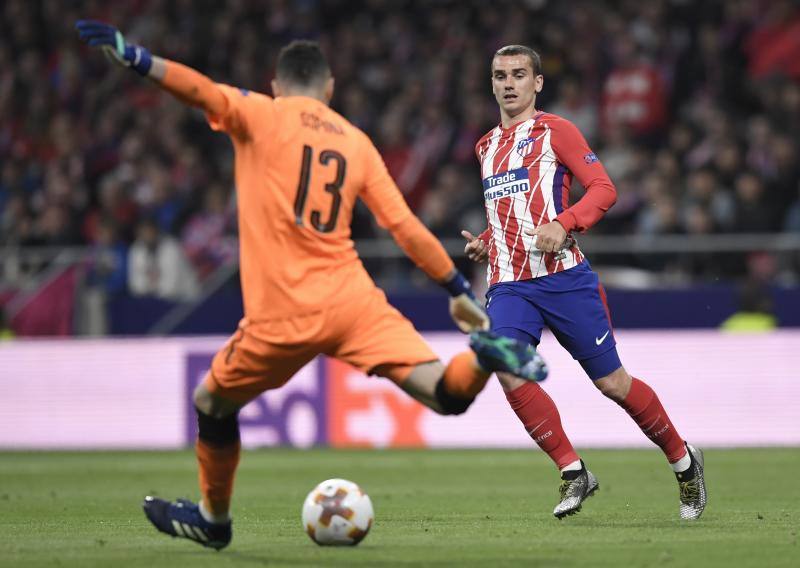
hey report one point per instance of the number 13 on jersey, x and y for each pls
(325, 158)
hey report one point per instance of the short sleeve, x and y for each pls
(246, 112)
(380, 192)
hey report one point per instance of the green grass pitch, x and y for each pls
(433, 508)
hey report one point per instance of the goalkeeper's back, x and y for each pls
(299, 169)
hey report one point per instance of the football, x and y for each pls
(337, 512)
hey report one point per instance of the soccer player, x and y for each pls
(538, 275)
(299, 168)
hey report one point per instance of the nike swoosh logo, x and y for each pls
(599, 340)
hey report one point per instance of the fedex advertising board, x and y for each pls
(721, 390)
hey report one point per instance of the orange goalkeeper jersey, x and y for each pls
(299, 168)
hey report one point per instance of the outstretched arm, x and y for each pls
(186, 84)
(387, 204)
(427, 252)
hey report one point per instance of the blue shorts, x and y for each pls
(571, 303)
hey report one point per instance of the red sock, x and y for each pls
(646, 410)
(538, 413)
(217, 469)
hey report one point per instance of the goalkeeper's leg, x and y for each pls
(217, 448)
(444, 389)
(451, 389)
(207, 523)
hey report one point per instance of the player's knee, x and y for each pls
(615, 385)
(217, 431)
(449, 404)
(510, 382)
(202, 400)
(211, 404)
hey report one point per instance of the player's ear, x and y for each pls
(538, 84)
(329, 89)
(276, 89)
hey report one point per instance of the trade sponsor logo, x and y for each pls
(506, 184)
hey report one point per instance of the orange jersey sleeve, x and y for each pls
(380, 193)
(423, 248)
(244, 116)
(384, 199)
(193, 88)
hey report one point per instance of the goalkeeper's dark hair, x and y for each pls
(302, 63)
(536, 61)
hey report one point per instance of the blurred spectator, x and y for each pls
(158, 267)
(786, 171)
(114, 204)
(774, 44)
(633, 95)
(405, 164)
(703, 193)
(108, 267)
(574, 104)
(54, 227)
(727, 163)
(753, 213)
(207, 237)
(16, 223)
(6, 333)
(660, 217)
(792, 221)
(657, 87)
(755, 312)
(448, 209)
(157, 198)
(617, 154)
(106, 277)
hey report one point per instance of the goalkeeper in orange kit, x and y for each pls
(299, 169)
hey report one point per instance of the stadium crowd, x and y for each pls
(694, 108)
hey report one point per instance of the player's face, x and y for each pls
(514, 84)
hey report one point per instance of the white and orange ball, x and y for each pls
(337, 512)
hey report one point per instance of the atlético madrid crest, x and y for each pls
(524, 147)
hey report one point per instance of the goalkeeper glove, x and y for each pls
(468, 315)
(112, 42)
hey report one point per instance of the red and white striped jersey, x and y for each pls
(527, 170)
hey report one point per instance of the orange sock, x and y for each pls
(217, 470)
(463, 378)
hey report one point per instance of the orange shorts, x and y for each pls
(366, 332)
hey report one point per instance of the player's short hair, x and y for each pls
(302, 63)
(536, 61)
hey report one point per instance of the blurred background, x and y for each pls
(117, 205)
(119, 279)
